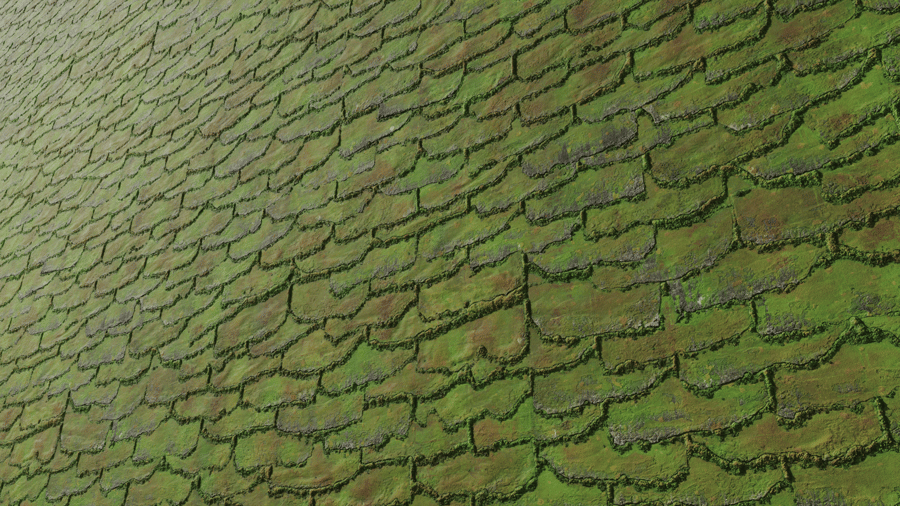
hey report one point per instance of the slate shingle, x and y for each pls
(443, 251)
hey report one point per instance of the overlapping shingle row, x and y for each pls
(449, 252)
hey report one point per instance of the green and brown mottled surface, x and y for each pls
(437, 252)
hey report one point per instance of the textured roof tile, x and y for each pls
(577, 309)
(323, 414)
(365, 364)
(320, 471)
(646, 418)
(81, 433)
(491, 287)
(501, 473)
(253, 323)
(383, 485)
(448, 251)
(314, 352)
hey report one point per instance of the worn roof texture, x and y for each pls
(424, 252)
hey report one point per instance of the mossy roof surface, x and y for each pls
(455, 252)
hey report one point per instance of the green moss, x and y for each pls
(500, 473)
(670, 410)
(595, 460)
(868, 480)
